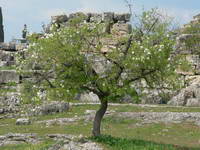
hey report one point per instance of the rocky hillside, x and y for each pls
(117, 25)
(9, 78)
(188, 45)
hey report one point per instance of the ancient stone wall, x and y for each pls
(117, 25)
(188, 45)
(11, 81)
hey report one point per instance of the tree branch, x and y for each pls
(143, 75)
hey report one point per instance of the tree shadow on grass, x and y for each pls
(116, 143)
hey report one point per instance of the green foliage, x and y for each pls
(66, 57)
(29, 94)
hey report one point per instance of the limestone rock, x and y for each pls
(193, 102)
(8, 47)
(100, 65)
(21, 46)
(23, 121)
(88, 112)
(188, 96)
(17, 138)
(59, 137)
(108, 17)
(81, 146)
(10, 100)
(123, 18)
(88, 97)
(7, 57)
(121, 29)
(96, 18)
(7, 76)
(127, 99)
(59, 19)
(165, 117)
(60, 121)
(51, 108)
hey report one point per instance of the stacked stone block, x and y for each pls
(9, 79)
(188, 45)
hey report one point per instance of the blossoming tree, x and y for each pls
(65, 61)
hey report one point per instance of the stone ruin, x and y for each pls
(117, 25)
(188, 45)
(9, 78)
(11, 81)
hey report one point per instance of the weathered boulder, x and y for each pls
(23, 121)
(88, 97)
(121, 29)
(122, 18)
(59, 19)
(60, 121)
(6, 58)
(164, 117)
(99, 63)
(81, 146)
(96, 18)
(8, 47)
(10, 99)
(51, 108)
(69, 143)
(60, 137)
(7, 76)
(108, 17)
(189, 96)
(17, 138)
(193, 102)
(127, 99)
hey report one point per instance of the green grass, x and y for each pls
(114, 143)
(7, 88)
(4, 91)
(41, 129)
(129, 132)
(8, 67)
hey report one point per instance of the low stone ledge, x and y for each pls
(7, 76)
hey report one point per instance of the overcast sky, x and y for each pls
(33, 12)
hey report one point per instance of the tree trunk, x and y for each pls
(98, 117)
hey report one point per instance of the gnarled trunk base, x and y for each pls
(98, 117)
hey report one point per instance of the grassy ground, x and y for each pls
(8, 68)
(126, 134)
